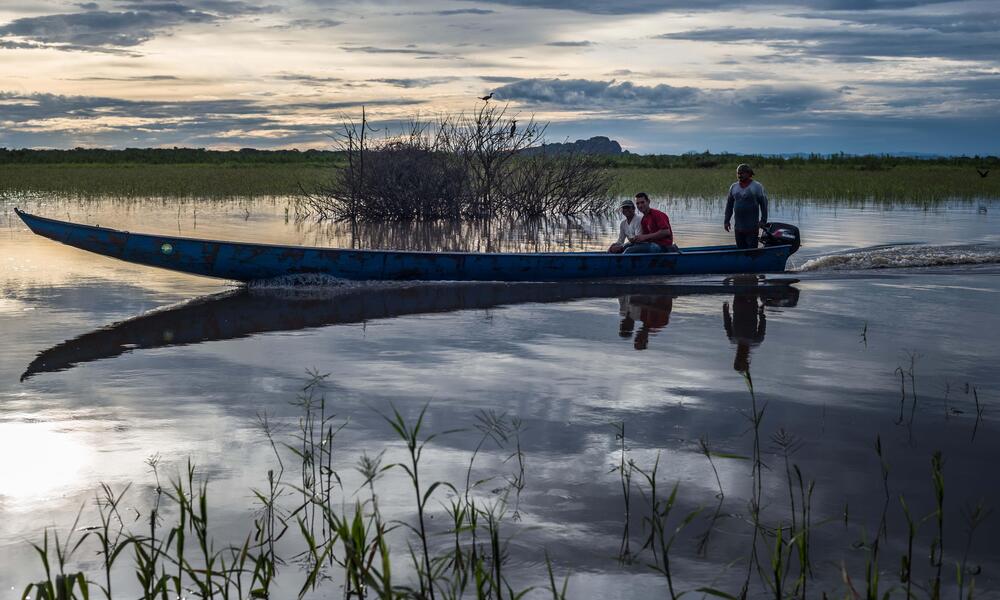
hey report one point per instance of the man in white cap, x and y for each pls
(747, 201)
(630, 227)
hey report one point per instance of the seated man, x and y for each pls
(630, 227)
(656, 236)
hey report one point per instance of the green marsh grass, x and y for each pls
(337, 541)
(898, 184)
(908, 183)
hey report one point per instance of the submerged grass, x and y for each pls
(311, 532)
(901, 183)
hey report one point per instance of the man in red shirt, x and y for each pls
(656, 236)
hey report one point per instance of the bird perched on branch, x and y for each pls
(487, 98)
(983, 173)
(513, 127)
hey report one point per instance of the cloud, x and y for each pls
(500, 79)
(628, 7)
(628, 99)
(378, 50)
(311, 80)
(352, 104)
(133, 78)
(581, 43)
(310, 24)
(464, 11)
(590, 94)
(416, 82)
(114, 121)
(846, 43)
(102, 30)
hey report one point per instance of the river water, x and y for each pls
(883, 334)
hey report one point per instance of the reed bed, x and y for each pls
(903, 183)
(456, 541)
(86, 181)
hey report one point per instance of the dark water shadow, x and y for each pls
(245, 312)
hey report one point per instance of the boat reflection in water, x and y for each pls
(245, 312)
(745, 325)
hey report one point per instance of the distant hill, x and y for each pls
(596, 145)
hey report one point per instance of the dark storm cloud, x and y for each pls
(627, 7)
(581, 43)
(855, 43)
(136, 23)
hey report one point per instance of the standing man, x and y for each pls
(748, 200)
(630, 227)
(656, 236)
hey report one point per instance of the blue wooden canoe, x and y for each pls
(241, 261)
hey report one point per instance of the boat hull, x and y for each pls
(249, 262)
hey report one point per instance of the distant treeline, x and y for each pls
(703, 160)
(166, 156)
(868, 162)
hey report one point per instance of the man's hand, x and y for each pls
(762, 225)
(637, 238)
(726, 225)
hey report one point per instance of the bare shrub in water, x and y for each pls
(478, 165)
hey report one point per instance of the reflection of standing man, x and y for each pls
(745, 328)
(748, 202)
(653, 312)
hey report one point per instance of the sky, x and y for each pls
(666, 76)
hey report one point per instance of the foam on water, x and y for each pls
(308, 281)
(903, 256)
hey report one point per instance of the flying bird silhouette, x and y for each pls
(487, 98)
(983, 173)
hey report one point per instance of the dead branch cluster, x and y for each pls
(478, 165)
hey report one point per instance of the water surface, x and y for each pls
(104, 364)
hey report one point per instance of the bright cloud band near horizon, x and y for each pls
(669, 76)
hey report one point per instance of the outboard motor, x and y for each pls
(781, 234)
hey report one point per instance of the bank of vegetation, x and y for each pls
(200, 173)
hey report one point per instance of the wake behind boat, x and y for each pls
(242, 261)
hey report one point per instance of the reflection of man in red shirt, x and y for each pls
(656, 236)
(652, 311)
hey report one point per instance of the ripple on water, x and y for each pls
(902, 256)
